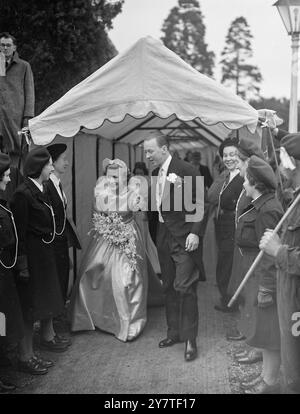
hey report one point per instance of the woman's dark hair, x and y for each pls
(141, 166)
(228, 142)
(258, 185)
(2, 176)
(37, 174)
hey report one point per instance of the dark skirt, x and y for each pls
(225, 229)
(237, 275)
(10, 307)
(259, 325)
(41, 297)
(61, 251)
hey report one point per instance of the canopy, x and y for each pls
(147, 87)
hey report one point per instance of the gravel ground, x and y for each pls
(216, 358)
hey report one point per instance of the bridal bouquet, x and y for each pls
(117, 233)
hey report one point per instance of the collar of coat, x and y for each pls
(36, 193)
(260, 201)
(15, 59)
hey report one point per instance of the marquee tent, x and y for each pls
(148, 87)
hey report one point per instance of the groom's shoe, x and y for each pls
(168, 342)
(190, 352)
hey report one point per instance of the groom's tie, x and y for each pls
(160, 182)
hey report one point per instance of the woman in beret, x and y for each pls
(259, 318)
(286, 252)
(65, 230)
(224, 195)
(246, 149)
(9, 300)
(37, 280)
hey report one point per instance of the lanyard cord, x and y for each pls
(54, 224)
(64, 223)
(237, 207)
(224, 186)
(17, 240)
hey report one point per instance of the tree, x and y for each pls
(184, 34)
(237, 69)
(64, 41)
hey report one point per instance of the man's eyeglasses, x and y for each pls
(8, 45)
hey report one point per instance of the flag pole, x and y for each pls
(275, 156)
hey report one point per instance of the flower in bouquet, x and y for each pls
(117, 233)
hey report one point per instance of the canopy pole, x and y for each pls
(129, 155)
(113, 148)
(74, 208)
(97, 156)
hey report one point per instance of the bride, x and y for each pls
(111, 291)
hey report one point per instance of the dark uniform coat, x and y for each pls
(259, 325)
(225, 229)
(41, 297)
(236, 275)
(65, 236)
(288, 296)
(16, 100)
(9, 299)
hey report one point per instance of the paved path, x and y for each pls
(99, 363)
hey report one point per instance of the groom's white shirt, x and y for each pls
(160, 185)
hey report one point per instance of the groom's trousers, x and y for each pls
(179, 276)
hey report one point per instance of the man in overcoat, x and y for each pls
(16, 94)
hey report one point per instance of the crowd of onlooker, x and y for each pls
(246, 196)
(35, 231)
(247, 202)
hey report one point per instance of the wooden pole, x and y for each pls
(260, 254)
(276, 161)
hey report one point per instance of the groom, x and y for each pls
(179, 250)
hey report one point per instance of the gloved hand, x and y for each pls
(21, 268)
(264, 297)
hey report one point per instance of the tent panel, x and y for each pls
(146, 78)
(85, 180)
(105, 151)
(122, 152)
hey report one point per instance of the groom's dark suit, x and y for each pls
(181, 270)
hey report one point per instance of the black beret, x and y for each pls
(249, 147)
(228, 142)
(4, 163)
(36, 161)
(291, 143)
(55, 150)
(262, 172)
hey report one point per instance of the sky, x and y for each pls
(271, 43)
